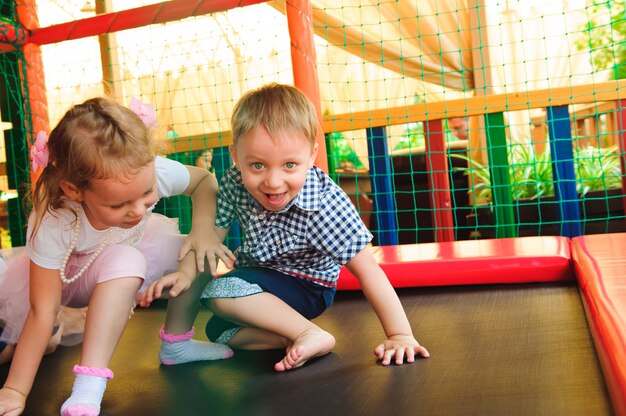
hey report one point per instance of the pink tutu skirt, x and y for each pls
(160, 245)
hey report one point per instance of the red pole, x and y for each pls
(128, 19)
(35, 100)
(621, 133)
(304, 62)
(438, 181)
(27, 14)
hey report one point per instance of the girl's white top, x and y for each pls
(55, 233)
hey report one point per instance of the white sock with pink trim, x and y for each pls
(87, 391)
(180, 349)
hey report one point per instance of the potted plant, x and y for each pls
(598, 182)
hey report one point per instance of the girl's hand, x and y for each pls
(207, 245)
(400, 348)
(12, 402)
(174, 284)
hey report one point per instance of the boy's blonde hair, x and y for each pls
(98, 139)
(278, 108)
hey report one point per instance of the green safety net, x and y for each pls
(375, 61)
(16, 121)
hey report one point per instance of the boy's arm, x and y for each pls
(202, 239)
(400, 342)
(45, 298)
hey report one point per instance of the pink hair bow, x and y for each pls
(145, 111)
(39, 151)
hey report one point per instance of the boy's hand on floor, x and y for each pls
(400, 349)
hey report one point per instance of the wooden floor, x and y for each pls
(495, 350)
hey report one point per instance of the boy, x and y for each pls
(299, 229)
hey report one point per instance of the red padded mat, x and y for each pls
(505, 260)
(600, 264)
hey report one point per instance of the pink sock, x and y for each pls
(87, 391)
(179, 349)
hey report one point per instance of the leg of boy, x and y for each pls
(160, 245)
(177, 346)
(307, 339)
(258, 339)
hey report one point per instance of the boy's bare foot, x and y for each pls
(310, 344)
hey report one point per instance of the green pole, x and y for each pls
(500, 177)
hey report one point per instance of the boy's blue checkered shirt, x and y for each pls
(312, 237)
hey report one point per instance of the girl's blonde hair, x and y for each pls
(278, 108)
(98, 139)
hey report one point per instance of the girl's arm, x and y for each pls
(45, 299)
(382, 297)
(176, 283)
(202, 239)
(221, 234)
(171, 285)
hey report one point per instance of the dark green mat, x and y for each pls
(495, 350)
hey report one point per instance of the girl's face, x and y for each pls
(120, 202)
(273, 169)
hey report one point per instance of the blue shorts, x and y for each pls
(306, 298)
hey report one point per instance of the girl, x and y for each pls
(92, 240)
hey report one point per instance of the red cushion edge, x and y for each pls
(526, 265)
(608, 332)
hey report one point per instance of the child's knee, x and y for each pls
(124, 257)
(219, 306)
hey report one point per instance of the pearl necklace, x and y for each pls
(72, 246)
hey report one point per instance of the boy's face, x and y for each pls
(273, 169)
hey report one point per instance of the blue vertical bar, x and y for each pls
(563, 171)
(221, 163)
(382, 186)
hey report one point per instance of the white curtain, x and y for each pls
(371, 54)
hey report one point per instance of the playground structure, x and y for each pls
(490, 135)
(573, 116)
